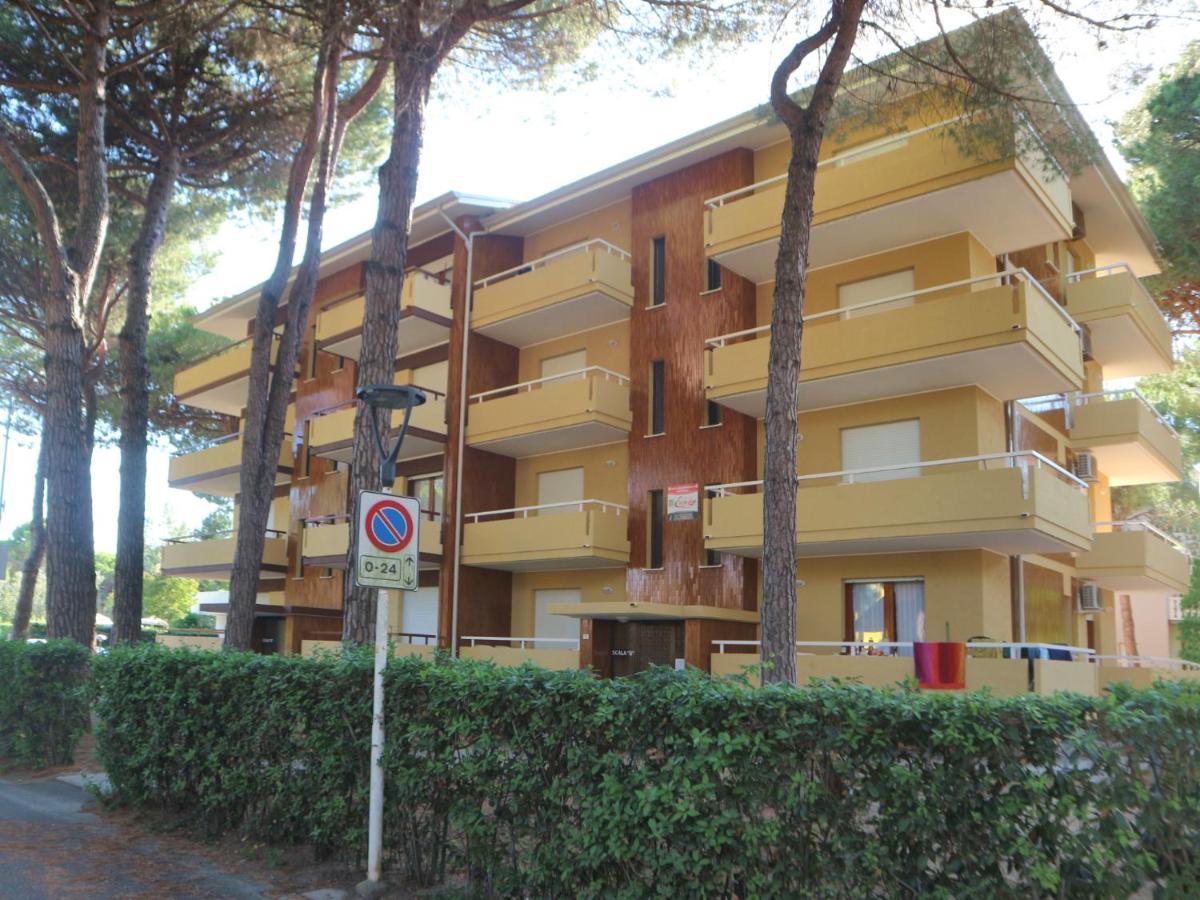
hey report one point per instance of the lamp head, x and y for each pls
(390, 396)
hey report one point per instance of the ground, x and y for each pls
(56, 841)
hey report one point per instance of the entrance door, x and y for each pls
(418, 615)
(266, 635)
(639, 645)
(546, 625)
(560, 486)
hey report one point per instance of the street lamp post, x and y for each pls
(382, 400)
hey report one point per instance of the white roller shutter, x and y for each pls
(878, 288)
(890, 444)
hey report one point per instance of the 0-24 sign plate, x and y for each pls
(389, 538)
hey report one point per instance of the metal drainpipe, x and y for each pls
(1016, 563)
(468, 291)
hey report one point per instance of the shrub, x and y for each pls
(43, 701)
(553, 784)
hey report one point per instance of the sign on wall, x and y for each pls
(683, 502)
(388, 541)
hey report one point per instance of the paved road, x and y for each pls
(51, 848)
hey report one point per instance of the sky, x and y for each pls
(520, 144)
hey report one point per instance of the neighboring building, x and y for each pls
(616, 353)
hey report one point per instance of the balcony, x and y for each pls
(1132, 442)
(1003, 333)
(219, 382)
(564, 412)
(547, 653)
(1129, 336)
(1005, 669)
(216, 469)
(1135, 556)
(331, 431)
(425, 319)
(1006, 502)
(911, 187)
(584, 534)
(574, 289)
(325, 540)
(211, 557)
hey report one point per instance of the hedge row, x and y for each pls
(43, 702)
(556, 784)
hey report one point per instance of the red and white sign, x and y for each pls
(388, 549)
(683, 502)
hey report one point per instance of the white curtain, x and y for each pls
(910, 612)
(868, 611)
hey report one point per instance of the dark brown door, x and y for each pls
(638, 645)
(267, 635)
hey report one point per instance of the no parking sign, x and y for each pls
(388, 541)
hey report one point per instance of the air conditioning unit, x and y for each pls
(1089, 598)
(1085, 466)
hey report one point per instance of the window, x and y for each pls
(657, 411)
(561, 486)
(658, 271)
(890, 444)
(427, 489)
(654, 530)
(554, 367)
(856, 293)
(886, 611)
(712, 413)
(712, 276)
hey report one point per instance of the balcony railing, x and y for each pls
(218, 381)
(1129, 335)
(1124, 394)
(1023, 459)
(543, 261)
(325, 540)
(548, 653)
(331, 429)
(1002, 331)
(945, 186)
(582, 408)
(1008, 649)
(1010, 503)
(583, 286)
(1135, 525)
(525, 512)
(521, 642)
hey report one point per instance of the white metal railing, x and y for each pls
(582, 374)
(344, 404)
(870, 149)
(1123, 394)
(414, 638)
(865, 648)
(472, 640)
(523, 512)
(1175, 611)
(201, 536)
(1155, 662)
(1138, 525)
(524, 267)
(1002, 277)
(847, 476)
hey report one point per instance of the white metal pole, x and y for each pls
(375, 816)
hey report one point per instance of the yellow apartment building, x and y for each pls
(596, 362)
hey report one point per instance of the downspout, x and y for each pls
(1016, 563)
(468, 292)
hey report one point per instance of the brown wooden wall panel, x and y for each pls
(489, 481)
(675, 332)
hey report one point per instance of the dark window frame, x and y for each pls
(712, 276)
(658, 271)
(657, 418)
(655, 521)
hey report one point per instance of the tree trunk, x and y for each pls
(135, 407)
(806, 127)
(37, 552)
(381, 317)
(1128, 629)
(254, 481)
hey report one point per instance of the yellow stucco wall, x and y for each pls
(612, 223)
(944, 260)
(968, 589)
(591, 584)
(607, 347)
(605, 472)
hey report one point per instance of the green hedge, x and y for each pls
(557, 784)
(43, 702)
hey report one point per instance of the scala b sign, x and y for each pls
(388, 541)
